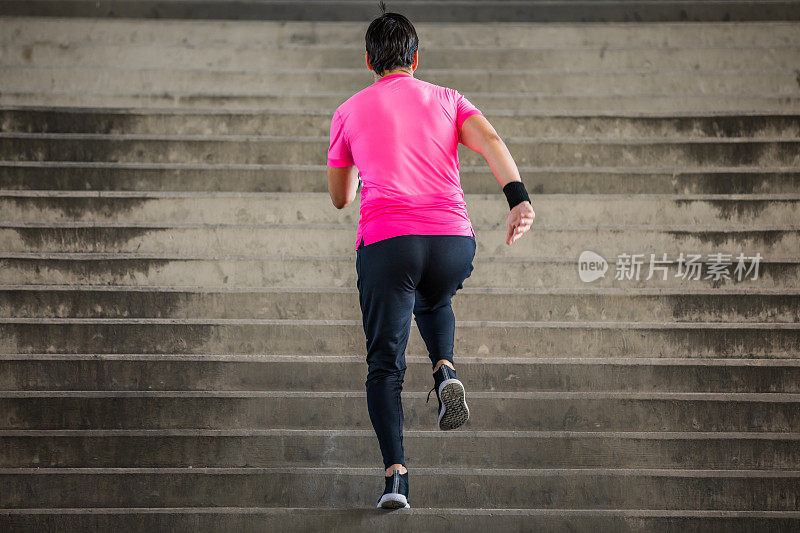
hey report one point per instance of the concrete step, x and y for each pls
(364, 10)
(334, 337)
(434, 487)
(265, 272)
(468, 81)
(709, 305)
(244, 34)
(548, 411)
(544, 241)
(165, 372)
(182, 177)
(570, 151)
(564, 101)
(258, 519)
(356, 448)
(317, 123)
(270, 208)
(286, 56)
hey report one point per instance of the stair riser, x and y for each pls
(318, 124)
(474, 180)
(318, 209)
(368, 521)
(336, 375)
(350, 412)
(302, 240)
(504, 491)
(589, 83)
(348, 339)
(345, 305)
(352, 57)
(647, 103)
(303, 152)
(452, 451)
(338, 272)
(259, 33)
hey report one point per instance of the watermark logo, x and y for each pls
(719, 266)
(591, 266)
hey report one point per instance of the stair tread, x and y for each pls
(450, 471)
(465, 359)
(756, 397)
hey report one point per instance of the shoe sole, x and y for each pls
(393, 500)
(454, 405)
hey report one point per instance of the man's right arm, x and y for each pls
(478, 135)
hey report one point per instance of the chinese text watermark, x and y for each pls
(718, 266)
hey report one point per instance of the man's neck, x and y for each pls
(396, 71)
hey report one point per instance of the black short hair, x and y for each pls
(391, 41)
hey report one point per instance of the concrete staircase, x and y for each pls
(181, 346)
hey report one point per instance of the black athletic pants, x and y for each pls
(396, 276)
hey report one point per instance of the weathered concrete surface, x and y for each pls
(562, 411)
(642, 103)
(582, 152)
(738, 304)
(442, 11)
(338, 271)
(191, 177)
(350, 56)
(356, 448)
(284, 208)
(273, 81)
(317, 123)
(174, 372)
(320, 337)
(259, 519)
(484, 34)
(181, 345)
(505, 489)
(315, 239)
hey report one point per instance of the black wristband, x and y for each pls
(515, 193)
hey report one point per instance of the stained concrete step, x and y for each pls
(258, 519)
(549, 179)
(562, 411)
(468, 81)
(166, 372)
(569, 151)
(435, 487)
(286, 56)
(270, 208)
(356, 448)
(708, 305)
(765, 101)
(480, 35)
(610, 241)
(334, 337)
(364, 10)
(308, 123)
(265, 272)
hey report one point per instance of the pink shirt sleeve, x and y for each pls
(338, 151)
(464, 109)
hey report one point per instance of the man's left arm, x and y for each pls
(343, 185)
(342, 172)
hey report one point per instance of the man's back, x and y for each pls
(402, 134)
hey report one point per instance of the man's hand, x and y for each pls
(519, 221)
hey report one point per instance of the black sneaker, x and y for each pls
(395, 495)
(453, 410)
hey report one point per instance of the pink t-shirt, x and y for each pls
(403, 133)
